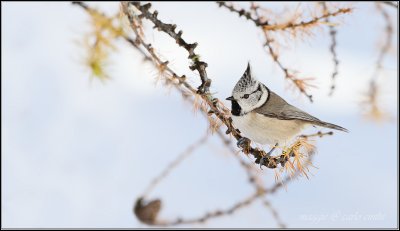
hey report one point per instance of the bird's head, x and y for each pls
(248, 94)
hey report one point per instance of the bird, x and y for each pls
(266, 118)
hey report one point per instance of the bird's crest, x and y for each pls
(245, 81)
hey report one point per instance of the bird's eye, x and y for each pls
(246, 96)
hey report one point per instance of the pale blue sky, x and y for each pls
(77, 153)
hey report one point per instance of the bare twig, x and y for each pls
(309, 23)
(82, 4)
(211, 215)
(274, 213)
(388, 42)
(189, 150)
(319, 134)
(332, 33)
(242, 12)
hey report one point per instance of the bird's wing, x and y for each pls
(276, 107)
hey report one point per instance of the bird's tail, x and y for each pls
(332, 126)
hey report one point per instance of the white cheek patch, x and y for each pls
(255, 101)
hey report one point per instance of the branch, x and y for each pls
(169, 29)
(216, 107)
(146, 212)
(303, 24)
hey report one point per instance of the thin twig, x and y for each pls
(242, 12)
(274, 213)
(212, 215)
(311, 22)
(332, 48)
(388, 39)
(189, 150)
(319, 134)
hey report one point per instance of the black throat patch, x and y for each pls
(236, 109)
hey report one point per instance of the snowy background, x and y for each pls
(77, 153)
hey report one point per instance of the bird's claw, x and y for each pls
(263, 161)
(268, 161)
(243, 142)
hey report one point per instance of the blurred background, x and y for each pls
(77, 152)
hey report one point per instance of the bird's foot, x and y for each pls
(243, 142)
(263, 161)
(267, 160)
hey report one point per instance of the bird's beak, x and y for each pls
(230, 98)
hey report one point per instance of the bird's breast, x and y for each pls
(266, 130)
